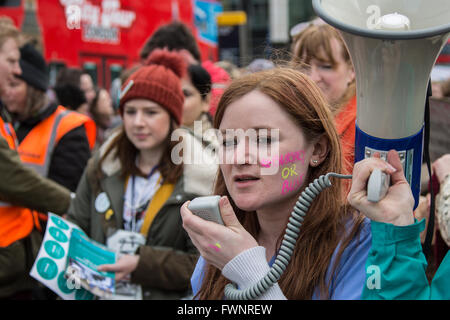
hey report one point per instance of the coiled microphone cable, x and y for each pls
(289, 240)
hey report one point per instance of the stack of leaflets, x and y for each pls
(67, 262)
(85, 255)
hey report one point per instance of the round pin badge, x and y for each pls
(102, 202)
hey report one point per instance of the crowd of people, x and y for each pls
(104, 160)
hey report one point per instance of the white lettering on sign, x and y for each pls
(73, 17)
(102, 22)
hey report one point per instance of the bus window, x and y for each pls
(54, 68)
(115, 71)
(91, 69)
(10, 3)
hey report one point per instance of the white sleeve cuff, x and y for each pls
(247, 268)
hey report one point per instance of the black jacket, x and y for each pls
(70, 155)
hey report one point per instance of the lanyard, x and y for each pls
(133, 205)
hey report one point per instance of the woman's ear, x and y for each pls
(320, 152)
(351, 74)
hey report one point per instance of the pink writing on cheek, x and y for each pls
(287, 158)
(300, 155)
(292, 157)
(292, 186)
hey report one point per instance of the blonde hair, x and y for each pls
(8, 31)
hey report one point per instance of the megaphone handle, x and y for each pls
(377, 185)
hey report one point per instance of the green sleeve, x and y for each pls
(23, 186)
(440, 286)
(79, 211)
(395, 267)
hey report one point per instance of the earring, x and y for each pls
(315, 162)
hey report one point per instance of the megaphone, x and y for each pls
(393, 45)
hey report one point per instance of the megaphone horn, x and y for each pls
(393, 45)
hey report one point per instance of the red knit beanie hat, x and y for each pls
(158, 81)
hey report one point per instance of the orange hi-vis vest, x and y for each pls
(37, 147)
(15, 222)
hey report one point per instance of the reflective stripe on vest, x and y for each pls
(15, 222)
(7, 132)
(37, 148)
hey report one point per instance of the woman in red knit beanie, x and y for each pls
(131, 193)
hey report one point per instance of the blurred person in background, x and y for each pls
(9, 57)
(176, 36)
(321, 53)
(233, 71)
(74, 89)
(440, 181)
(196, 87)
(220, 81)
(20, 232)
(71, 97)
(87, 86)
(441, 89)
(102, 111)
(53, 140)
(259, 65)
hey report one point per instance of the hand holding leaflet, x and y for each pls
(84, 258)
(67, 260)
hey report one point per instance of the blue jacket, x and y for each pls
(349, 278)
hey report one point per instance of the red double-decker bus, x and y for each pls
(101, 36)
(444, 57)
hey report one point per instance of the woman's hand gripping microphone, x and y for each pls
(218, 244)
(397, 206)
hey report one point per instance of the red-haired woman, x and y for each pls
(329, 257)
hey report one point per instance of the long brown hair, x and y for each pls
(126, 152)
(35, 102)
(324, 226)
(309, 43)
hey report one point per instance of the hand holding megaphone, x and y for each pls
(397, 205)
(378, 185)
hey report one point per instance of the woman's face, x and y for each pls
(146, 124)
(245, 180)
(333, 81)
(194, 105)
(87, 86)
(15, 97)
(104, 109)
